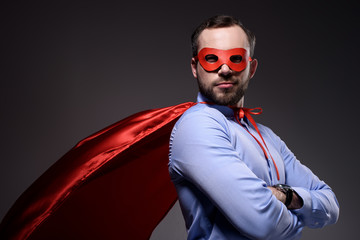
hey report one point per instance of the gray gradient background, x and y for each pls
(68, 69)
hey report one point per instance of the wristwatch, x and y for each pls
(287, 190)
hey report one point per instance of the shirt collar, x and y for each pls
(227, 111)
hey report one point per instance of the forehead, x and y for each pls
(223, 38)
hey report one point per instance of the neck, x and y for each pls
(240, 103)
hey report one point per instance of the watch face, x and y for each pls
(287, 187)
(283, 186)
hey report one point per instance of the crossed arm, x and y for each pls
(252, 207)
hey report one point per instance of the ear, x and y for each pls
(193, 67)
(253, 67)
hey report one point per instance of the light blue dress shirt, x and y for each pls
(221, 177)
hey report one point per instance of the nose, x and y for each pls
(225, 70)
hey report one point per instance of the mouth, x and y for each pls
(225, 84)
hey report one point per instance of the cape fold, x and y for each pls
(113, 184)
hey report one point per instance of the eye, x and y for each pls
(236, 58)
(211, 58)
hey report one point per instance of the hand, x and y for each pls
(278, 194)
(296, 202)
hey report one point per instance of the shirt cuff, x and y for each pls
(306, 209)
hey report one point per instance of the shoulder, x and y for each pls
(202, 115)
(203, 122)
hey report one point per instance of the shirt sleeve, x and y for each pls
(203, 154)
(320, 204)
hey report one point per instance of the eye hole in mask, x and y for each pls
(236, 58)
(211, 58)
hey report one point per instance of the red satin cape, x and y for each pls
(112, 185)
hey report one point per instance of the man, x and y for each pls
(236, 179)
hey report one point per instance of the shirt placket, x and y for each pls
(270, 164)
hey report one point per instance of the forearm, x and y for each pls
(320, 206)
(248, 205)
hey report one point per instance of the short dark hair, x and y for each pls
(221, 21)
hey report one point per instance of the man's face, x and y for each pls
(223, 86)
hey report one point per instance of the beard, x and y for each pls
(227, 96)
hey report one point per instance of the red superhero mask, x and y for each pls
(212, 58)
